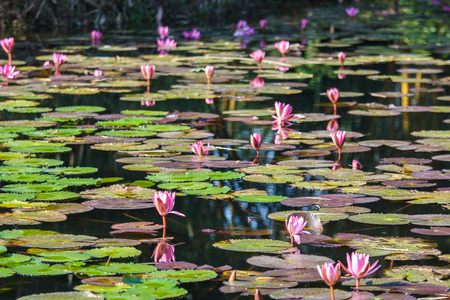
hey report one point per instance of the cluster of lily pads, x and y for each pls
(168, 144)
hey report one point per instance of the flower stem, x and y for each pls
(357, 282)
(332, 292)
(164, 225)
(292, 241)
(334, 105)
(148, 85)
(257, 153)
(10, 59)
(339, 150)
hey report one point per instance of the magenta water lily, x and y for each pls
(282, 114)
(295, 226)
(330, 275)
(333, 95)
(282, 47)
(255, 141)
(9, 72)
(358, 266)
(338, 138)
(148, 71)
(258, 56)
(351, 11)
(163, 31)
(209, 72)
(7, 45)
(58, 60)
(192, 35)
(164, 202)
(199, 149)
(164, 252)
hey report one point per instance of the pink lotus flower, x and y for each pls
(255, 141)
(358, 266)
(341, 57)
(164, 202)
(58, 60)
(209, 72)
(95, 37)
(164, 252)
(148, 103)
(98, 73)
(304, 23)
(163, 31)
(263, 24)
(282, 69)
(258, 56)
(333, 95)
(257, 82)
(295, 226)
(47, 64)
(282, 47)
(446, 8)
(199, 149)
(330, 274)
(7, 45)
(166, 44)
(351, 11)
(333, 125)
(148, 71)
(338, 138)
(283, 114)
(209, 100)
(356, 165)
(193, 35)
(242, 29)
(8, 72)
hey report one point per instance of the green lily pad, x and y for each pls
(70, 171)
(33, 188)
(185, 185)
(60, 256)
(178, 177)
(56, 241)
(34, 162)
(63, 296)
(313, 293)
(208, 191)
(380, 219)
(261, 198)
(114, 252)
(39, 270)
(81, 109)
(183, 276)
(78, 181)
(124, 268)
(55, 196)
(253, 245)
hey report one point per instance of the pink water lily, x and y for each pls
(95, 37)
(199, 149)
(209, 72)
(283, 114)
(164, 252)
(148, 71)
(164, 45)
(282, 69)
(356, 165)
(255, 141)
(148, 103)
(333, 95)
(97, 73)
(304, 23)
(257, 82)
(295, 226)
(163, 31)
(341, 57)
(7, 45)
(358, 266)
(333, 125)
(209, 100)
(58, 60)
(351, 11)
(282, 47)
(330, 274)
(164, 202)
(9, 72)
(338, 138)
(242, 29)
(192, 35)
(263, 25)
(258, 56)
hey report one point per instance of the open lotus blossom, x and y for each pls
(209, 100)
(192, 35)
(209, 72)
(263, 25)
(164, 252)
(330, 274)
(58, 60)
(242, 29)
(283, 114)
(333, 125)
(338, 138)
(282, 69)
(7, 45)
(163, 31)
(255, 141)
(351, 11)
(282, 47)
(164, 202)
(341, 57)
(9, 72)
(356, 165)
(295, 226)
(358, 266)
(304, 23)
(257, 82)
(258, 56)
(333, 95)
(199, 149)
(148, 71)
(98, 73)
(164, 45)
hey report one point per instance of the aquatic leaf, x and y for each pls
(416, 273)
(33, 188)
(177, 177)
(124, 268)
(261, 283)
(305, 293)
(119, 203)
(55, 196)
(429, 219)
(39, 270)
(260, 198)
(297, 275)
(56, 241)
(63, 296)
(208, 191)
(183, 276)
(34, 162)
(71, 171)
(185, 185)
(380, 219)
(253, 245)
(324, 216)
(80, 109)
(60, 256)
(114, 252)
(290, 261)
(271, 169)
(432, 231)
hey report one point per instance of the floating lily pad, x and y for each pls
(290, 261)
(114, 252)
(119, 203)
(261, 198)
(305, 293)
(124, 268)
(380, 219)
(71, 171)
(182, 275)
(253, 245)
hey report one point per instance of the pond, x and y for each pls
(96, 131)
